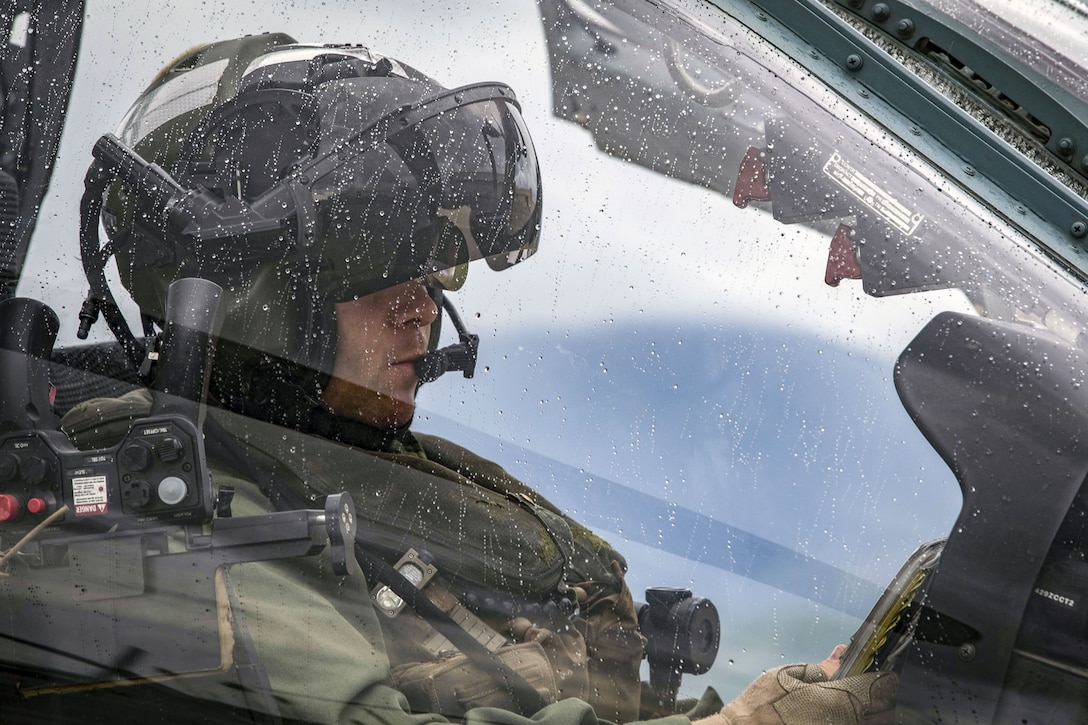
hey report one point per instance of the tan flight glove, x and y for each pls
(802, 695)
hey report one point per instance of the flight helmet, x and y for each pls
(297, 176)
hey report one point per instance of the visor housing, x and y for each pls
(424, 190)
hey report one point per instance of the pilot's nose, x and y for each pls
(414, 305)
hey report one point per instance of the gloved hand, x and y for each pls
(802, 695)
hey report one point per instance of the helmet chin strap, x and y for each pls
(458, 356)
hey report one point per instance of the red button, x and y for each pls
(36, 505)
(9, 507)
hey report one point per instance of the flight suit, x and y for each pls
(536, 577)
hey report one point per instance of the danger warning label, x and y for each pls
(89, 495)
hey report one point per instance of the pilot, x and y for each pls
(331, 323)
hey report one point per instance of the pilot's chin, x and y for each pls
(369, 406)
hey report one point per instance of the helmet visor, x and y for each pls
(427, 189)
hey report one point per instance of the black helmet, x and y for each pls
(297, 176)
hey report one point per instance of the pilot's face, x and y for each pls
(379, 338)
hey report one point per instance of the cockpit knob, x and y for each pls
(9, 507)
(135, 457)
(169, 449)
(35, 471)
(9, 468)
